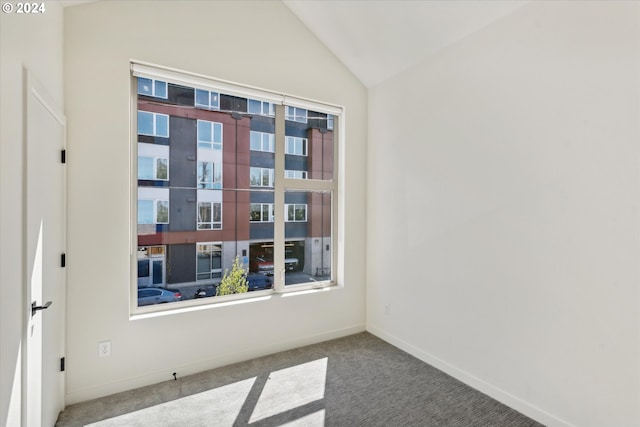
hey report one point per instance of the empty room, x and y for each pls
(320, 213)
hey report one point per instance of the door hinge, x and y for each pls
(62, 364)
(63, 156)
(63, 260)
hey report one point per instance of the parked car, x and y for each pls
(255, 282)
(263, 264)
(148, 296)
(258, 282)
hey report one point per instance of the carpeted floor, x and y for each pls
(358, 380)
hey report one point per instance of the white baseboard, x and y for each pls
(498, 394)
(156, 377)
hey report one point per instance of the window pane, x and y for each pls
(161, 89)
(145, 123)
(204, 131)
(145, 212)
(144, 86)
(256, 141)
(162, 125)
(308, 237)
(254, 106)
(217, 132)
(202, 97)
(162, 169)
(145, 168)
(163, 212)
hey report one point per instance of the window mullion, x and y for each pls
(279, 214)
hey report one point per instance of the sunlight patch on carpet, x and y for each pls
(219, 406)
(291, 388)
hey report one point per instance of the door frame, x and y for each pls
(34, 91)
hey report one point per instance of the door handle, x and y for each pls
(35, 308)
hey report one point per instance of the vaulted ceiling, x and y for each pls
(377, 39)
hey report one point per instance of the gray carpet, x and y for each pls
(358, 380)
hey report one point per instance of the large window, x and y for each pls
(262, 199)
(296, 114)
(261, 212)
(261, 141)
(153, 124)
(209, 175)
(209, 135)
(209, 215)
(207, 99)
(263, 108)
(153, 211)
(296, 146)
(209, 261)
(152, 87)
(153, 168)
(261, 177)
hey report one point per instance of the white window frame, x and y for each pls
(296, 140)
(155, 168)
(270, 173)
(212, 224)
(295, 174)
(155, 124)
(296, 114)
(211, 270)
(209, 106)
(270, 212)
(212, 144)
(334, 186)
(270, 143)
(154, 82)
(266, 108)
(216, 184)
(156, 203)
(295, 206)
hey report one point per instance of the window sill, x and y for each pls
(230, 300)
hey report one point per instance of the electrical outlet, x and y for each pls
(387, 309)
(104, 348)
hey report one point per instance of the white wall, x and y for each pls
(503, 221)
(256, 43)
(34, 42)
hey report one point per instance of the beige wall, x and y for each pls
(255, 43)
(33, 42)
(504, 238)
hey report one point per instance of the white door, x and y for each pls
(44, 197)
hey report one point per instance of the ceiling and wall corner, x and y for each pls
(378, 39)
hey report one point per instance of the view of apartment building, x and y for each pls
(206, 174)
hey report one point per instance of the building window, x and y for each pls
(207, 99)
(261, 177)
(153, 168)
(153, 211)
(153, 124)
(261, 212)
(296, 114)
(295, 174)
(296, 213)
(152, 87)
(329, 122)
(295, 145)
(209, 175)
(209, 215)
(209, 135)
(208, 261)
(261, 141)
(262, 108)
(151, 264)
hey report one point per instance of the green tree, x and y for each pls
(234, 281)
